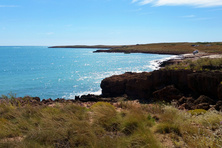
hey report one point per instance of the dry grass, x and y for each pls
(202, 64)
(104, 125)
(172, 48)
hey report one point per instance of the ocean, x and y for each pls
(64, 72)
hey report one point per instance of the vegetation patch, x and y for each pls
(197, 112)
(202, 64)
(165, 128)
(121, 124)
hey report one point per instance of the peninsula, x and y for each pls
(158, 48)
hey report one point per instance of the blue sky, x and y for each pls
(92, 22)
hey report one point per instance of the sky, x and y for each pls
(108, 22)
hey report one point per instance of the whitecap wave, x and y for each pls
(155, 64)
(72, 95)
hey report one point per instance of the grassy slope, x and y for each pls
(172, 48)
(123, 124)
(201, 64)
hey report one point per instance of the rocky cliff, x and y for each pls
(164, 85)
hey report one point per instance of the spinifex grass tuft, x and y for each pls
(103, 125)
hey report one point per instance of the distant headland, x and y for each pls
(158, 48)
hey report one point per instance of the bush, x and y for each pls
(105, 115)
(197, 112)
(199, 65)
(165, 128)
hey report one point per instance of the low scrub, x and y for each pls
(202, 64)
(168, 128)
(129, 124)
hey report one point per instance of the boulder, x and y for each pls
(60, 100)
(185, 100)
(218, 106)
(204, 99)
(36, 99)
(88, 98)
(182, 100)
(187, 106)
(204, 106)
(47, 101)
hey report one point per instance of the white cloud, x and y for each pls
(197, 3)
(8, 6)
(144, 2)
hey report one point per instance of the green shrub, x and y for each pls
(105, 115)
(197, 112)
(130, 127)
(103, 104)
(165, 128)
(78, 111)
(199, 65)
(151, 120)
(134, 119)
(210, 119)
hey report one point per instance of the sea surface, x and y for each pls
(64, 72)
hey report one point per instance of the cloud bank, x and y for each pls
(197, 3)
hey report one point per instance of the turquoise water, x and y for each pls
(56, 72)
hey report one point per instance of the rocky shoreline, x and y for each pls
(184, 89)
(113, 50)
(187, 89)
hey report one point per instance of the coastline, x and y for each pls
(156, 64)
(165, 107)
(161, 63)
(176, 48)
(189, 56)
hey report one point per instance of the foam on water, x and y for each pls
(56, 73)
(73, 94)
(155, 64)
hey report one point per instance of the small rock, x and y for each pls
(204, 99)
(36, 98)
(204, 106)
(48, 101)
(185, 100)
(188, 106)
(218, 106)
(89, 97)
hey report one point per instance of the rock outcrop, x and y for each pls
(167, 94)
(142, 85)
(167, 85)
(205, 83)
(219, 91)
